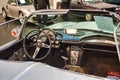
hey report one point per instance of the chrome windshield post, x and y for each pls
(116, 41)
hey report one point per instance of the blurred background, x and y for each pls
(2, 3)
(52, 3)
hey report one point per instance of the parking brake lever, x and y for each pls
(65, 59)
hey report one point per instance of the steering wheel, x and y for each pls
(37, 45)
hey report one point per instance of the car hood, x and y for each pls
(102, 5)
(36, 70)
(29, 8)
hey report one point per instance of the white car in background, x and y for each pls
(17, 9)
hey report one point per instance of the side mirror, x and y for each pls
(15, 32)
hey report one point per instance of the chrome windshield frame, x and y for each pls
(116, 41)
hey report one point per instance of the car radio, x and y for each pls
(74, 54)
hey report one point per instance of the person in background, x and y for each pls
(41, 4)
(65, 4)
(47, 3)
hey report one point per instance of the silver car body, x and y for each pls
(37, 71)
(17, 70)
(13, 9)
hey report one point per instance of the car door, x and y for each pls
(9, 42)
(13, 8)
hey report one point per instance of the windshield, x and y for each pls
(25, 2)
(91, 1)
(75, 16)
(112, 1)
(102, 22)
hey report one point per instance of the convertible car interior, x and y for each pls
(66, 39)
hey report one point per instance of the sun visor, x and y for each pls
(104, 23)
